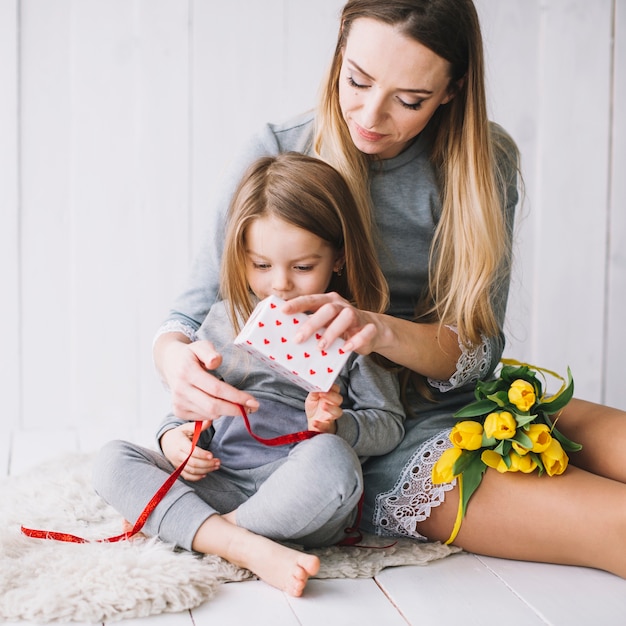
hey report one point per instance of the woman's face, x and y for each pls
(389, 87)
(286, 261)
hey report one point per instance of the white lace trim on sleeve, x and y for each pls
(472, 364)
(176, 326)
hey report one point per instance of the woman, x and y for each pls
(403, 118)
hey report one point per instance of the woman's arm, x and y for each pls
(428, 349)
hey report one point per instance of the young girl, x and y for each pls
(293, 230)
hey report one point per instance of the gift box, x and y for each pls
(268, 336)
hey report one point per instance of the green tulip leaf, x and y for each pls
(476, 409)
(500, 448)
(501, 398)
(488, 442)
(523, 439)
(566, 444)
(513, 372)
(472, 476)
(540, 468)
(555, 403)
(485, 388)
(523, 420)
(461, 464)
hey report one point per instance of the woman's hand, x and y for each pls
(322, 409)
(197, 394)
(176, 445)
(340, 319)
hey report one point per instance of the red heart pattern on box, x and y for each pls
(268, 335)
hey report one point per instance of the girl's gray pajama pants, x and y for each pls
(309, 497)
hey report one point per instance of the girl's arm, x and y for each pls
(372, 421)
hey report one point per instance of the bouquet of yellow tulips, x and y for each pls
(509, 427)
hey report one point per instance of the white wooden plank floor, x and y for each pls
(462, 588)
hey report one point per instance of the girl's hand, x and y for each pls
(197, 394)
(176, 445)
(322, 409)
(339, 318)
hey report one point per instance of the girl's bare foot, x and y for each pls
(282, 567)
(127, 527)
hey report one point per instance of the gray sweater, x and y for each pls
(372, 421)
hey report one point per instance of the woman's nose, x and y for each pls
(373, 110)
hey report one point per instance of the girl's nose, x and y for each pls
(280, 281)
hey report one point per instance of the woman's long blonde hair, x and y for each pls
(470, 250)
(310, 194)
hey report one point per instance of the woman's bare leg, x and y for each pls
(602, 431)
(277, 565)
(577, 518)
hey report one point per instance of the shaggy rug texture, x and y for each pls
(49, 581)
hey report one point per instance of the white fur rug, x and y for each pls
(48, 581)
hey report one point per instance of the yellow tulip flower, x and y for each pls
(525, 463)
(467, 435)
(494, 460)
(540, 435)
(554, 459)
(442, 471)
(522, 394)
(501, 425)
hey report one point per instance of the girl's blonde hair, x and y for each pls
(310, 194)
(470, 252)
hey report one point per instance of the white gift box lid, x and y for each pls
(268, 335)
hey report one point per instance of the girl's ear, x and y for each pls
(340, 262)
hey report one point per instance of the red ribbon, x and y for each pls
(165, 487)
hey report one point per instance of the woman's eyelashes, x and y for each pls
(413, 106)
(354, 84)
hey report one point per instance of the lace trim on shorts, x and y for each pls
(412, 498)
(176, 326)
(471, 365)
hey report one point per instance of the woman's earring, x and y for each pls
(340, 271)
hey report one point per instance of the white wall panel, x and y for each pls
(45, 253)
(511, 33)
(253, 62)
(616, 326)
(572, 198)
(9, 215)
(130, 148)
(551, 89)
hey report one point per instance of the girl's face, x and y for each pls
(389, 87)
(287, 261)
